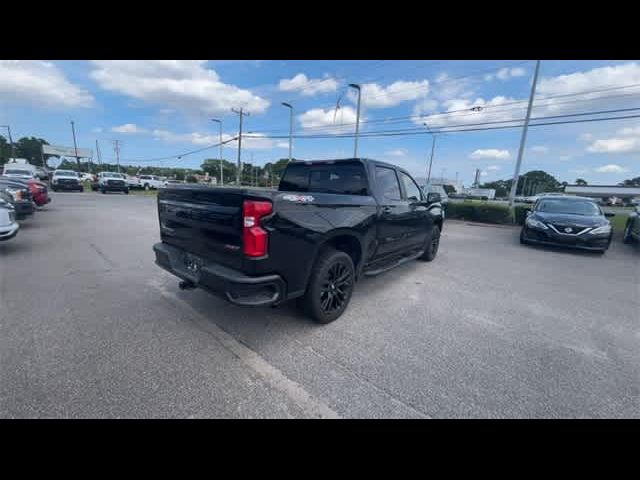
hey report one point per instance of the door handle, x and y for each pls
(387, 209)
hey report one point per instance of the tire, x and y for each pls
(627, 238)
(146, 187)
(326, 299)
(54, 189)
(522, 239)
(433, 243)
(104, 191)
(126, 192)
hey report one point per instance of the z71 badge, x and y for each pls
(298, 198)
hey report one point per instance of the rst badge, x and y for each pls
(298, 198)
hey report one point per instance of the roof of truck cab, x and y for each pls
(352, 159)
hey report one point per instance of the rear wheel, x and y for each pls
(523, 241)
(126, 192)
(104, 191)
(433, 243)
(330, 286)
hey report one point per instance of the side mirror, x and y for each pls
(433, 197)
(528, 211)
(609, 214)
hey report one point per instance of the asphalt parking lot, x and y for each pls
(90, 327)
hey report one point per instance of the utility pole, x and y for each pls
(75, 146)
(355, 147)
(13, 147)
(116, 149)
(523, 139)
(98, 152)
(242, 114)
(290, 126)
(220, 141)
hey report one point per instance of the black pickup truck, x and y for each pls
(328, 224)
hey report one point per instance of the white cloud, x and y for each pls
(282, 145)
(329, 118)
(376, 96)
(306, 86)
(41, 84)
(586, 137)
(540, 149)
(253, 141)
(611, 168)
(186, 85)
(483, 174)
(602, 78)
(615, 145)
(128, 128)
(506, 73)
(493, 168)
(491, 153)
(400, 152)
(97, 130)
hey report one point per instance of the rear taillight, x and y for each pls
(254, 237)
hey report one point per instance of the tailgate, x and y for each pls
(205, 221)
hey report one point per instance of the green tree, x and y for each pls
(502, 187)
(31, 149)
(631, 182)
(212, 167)
(449, 189)
(580, 181)
(5, 150)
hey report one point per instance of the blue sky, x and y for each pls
(162, 108)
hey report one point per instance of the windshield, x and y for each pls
(17, 172)
(112, 175)
(67, 173)
(572, 207)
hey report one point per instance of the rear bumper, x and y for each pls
(114, 188)
(7, 232)
(234, 286)
(583, 242)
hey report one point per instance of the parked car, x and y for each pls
(87, 177)
(38, 189)
(21, 197)
(111, 182)
(41, 174)
(66, 180)
(8, 225)
(632, 227)
(150, 181)
(19, 171)
(576, 222)
(328, 224)
(132, 181)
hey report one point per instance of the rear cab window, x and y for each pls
(340, 178)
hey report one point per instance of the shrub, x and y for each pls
(485, 212)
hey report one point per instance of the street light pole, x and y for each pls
(75, 146)
(355, 147)
(242, 113)
(290, 126)
(220, 141)
(523, 139)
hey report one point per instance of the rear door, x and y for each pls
(418, 219)
(392, 228)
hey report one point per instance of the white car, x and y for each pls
(18, 171)
(8, 225)
(132, 181)
(87, 177)
(66, 180)
(150, 181)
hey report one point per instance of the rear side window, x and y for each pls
(341, 178)
(387, 183)
(410, 187)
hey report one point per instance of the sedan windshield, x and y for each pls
(572, 207)
(18, 172)
(112, 175)
(66, 173)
